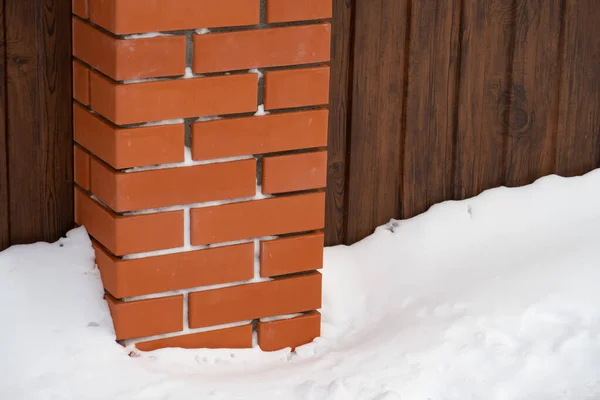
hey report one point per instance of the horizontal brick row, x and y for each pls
(294, 332)
(294, 172)
(136, 16)
(209, 225)
(289, 11)
(233, 137)
(128, 147)
(172, 186)
(123, 59)
(239, 337)
(296, 88)
(291, 255)
(256, 300)
(172, 99)
(275, 216)
(260, 48)
(158, 274)
(128, 234)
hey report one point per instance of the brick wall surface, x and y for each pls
(200, 131)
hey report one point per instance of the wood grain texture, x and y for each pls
(434, 62)
(39, 125)
(339, 127)
(578, 136)
(4, 222)
(376, 139)
(533, 99)
(486, 53)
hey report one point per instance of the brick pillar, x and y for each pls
(200, 164)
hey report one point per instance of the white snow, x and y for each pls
(491, 298)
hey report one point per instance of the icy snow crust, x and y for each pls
(496, 297)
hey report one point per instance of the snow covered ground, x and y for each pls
(497, 297)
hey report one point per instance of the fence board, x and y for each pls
(4, 228)
(488, 27)
(533, 97)
(578, 138)
(431, 103)
(39, 127)
(376, 138)
(341, 100)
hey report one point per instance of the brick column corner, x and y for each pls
(200, 131)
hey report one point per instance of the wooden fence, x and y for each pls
(431, 100)
(36, 185)
(436, 100)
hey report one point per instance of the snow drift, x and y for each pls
(494, 297)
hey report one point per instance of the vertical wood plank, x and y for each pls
(376, 139)
(4, 222)
(533, 97)
(578, 136)
(39, 125)
(434, 60)
(486, 47)
(340, 100)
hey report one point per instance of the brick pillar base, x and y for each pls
(200, 164)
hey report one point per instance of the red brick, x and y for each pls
(141, 318)
(142, 276)
(81, 8)
(173, 186)
(183, 98)
(304, 10)
(256, 300)
(126, 148)
(296, 88)
(291, 255)
(294, 172)
(252, 219)
(258, 48)
(129, 234)
(128, 58)
(81, 167)
(258, 135)
(136, 16)
(239, 337)
(81, 83)
(294, 332)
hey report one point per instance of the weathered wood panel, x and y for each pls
(533, 96)
(340, 104)
(578, 137)
(4, 227)
(376, 137)
(472, 95)
(434, 62)
(486, 53)
(38, 35)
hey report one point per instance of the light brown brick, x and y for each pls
(258, 218)
(258, 135)
(255, 300)
(258, 48)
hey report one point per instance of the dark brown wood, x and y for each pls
(340, 103)
(531, 146)
(376, 140)
(434, 60)
(578, 136)
(486, 47)
(4, 226)
(38, 36)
